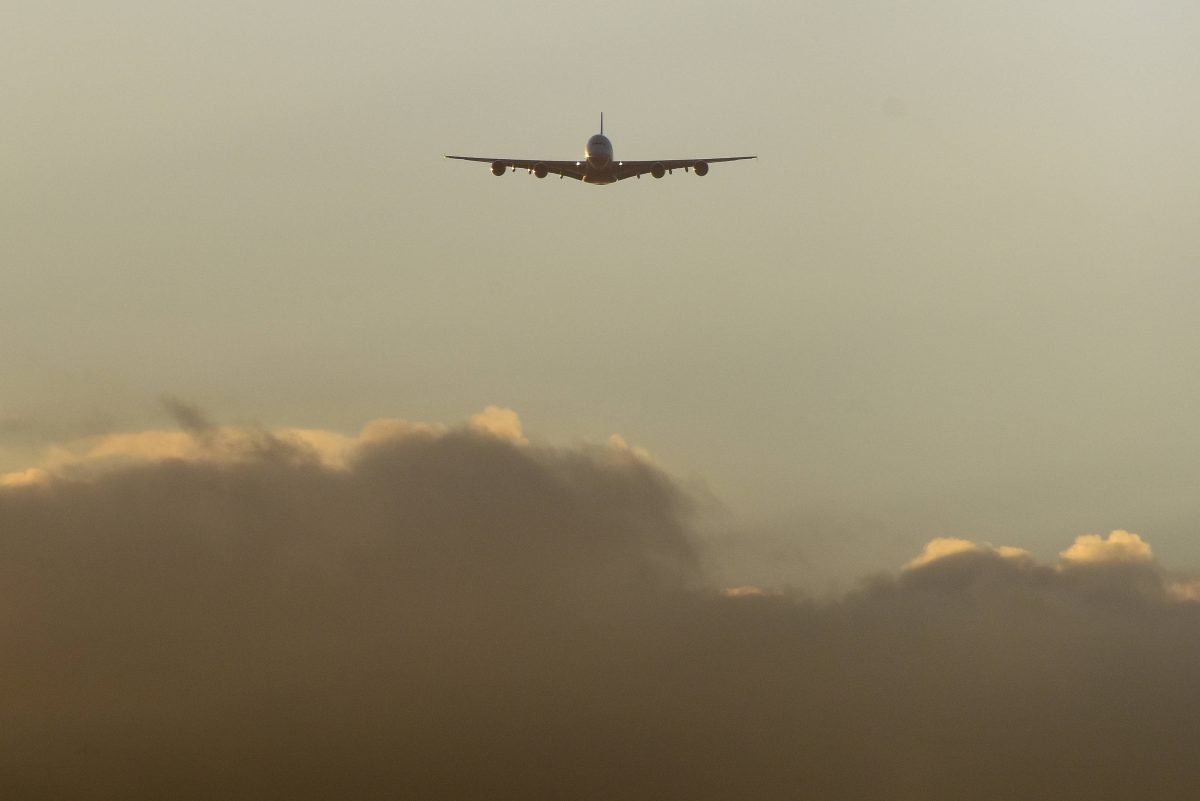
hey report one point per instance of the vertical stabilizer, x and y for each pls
(601, 122)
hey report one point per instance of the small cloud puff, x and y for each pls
(1184, 590)
(618, 444)
(500, 423)
(23, 478)
(745, 591)
(1120, 547)
(942, 547)
(1089, 552)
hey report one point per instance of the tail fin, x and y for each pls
(601, 122)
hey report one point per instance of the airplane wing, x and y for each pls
(630, 169)
(617, 171)
(567, 169)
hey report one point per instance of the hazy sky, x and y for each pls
(955, 296)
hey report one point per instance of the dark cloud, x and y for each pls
(455, 615)
(189, 417)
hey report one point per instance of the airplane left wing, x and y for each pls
(630, 169)
(567, 169)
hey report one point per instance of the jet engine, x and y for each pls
(658, 170)
(498, 168)
(701, 167)
(539, 170)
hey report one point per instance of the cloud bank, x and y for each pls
(452, 612)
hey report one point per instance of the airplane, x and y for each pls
(598, 165)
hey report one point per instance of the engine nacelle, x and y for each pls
(539, 170)
(498, 167)
(658, 170)
(701, 167)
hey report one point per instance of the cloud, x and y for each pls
(188, 416)
(21, 478)
(1119, 547)
(501, 423)
(619, 445)
(941, 547)
(202, 441)
(218, 445)
(425, 611)
(744, 591)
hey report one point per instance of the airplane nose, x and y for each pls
(598, 151)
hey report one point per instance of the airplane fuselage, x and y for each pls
(598, 153)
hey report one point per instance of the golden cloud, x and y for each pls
(618, 444)
(744, 591)
(1119, 547)
(942, 547)
(236, 445)
(500, 423)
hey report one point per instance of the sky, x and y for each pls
(952, 301)
(952, 297)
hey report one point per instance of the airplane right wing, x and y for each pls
(567, 169)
